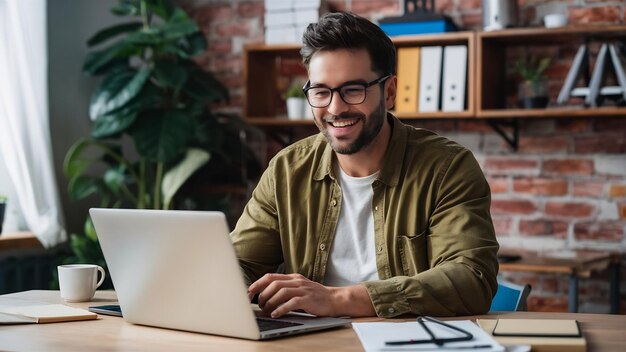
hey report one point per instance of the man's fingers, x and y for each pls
(260, 284)
(281, 296)
(292, 304)
(270, 291)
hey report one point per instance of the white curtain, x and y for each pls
(25, 145)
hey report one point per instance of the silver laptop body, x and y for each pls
(178, 270)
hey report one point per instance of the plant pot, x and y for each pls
(295, 108)
(532, 95)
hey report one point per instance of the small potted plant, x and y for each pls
(296, 101)
(3, 208)
(532, 92)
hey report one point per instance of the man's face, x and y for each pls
(348, 128)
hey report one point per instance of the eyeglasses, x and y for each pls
(439, 341)
(350, 93)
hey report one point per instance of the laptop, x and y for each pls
(178, 270)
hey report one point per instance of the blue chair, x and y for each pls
(510, 297)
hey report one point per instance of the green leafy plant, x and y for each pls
(531, 69)
(294, 91)
(152, 127)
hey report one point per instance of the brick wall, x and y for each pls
(565, 188)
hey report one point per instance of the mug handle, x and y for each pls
(103, 275)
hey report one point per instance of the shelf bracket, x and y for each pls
(511, 139)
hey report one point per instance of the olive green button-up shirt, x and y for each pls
(434, 238)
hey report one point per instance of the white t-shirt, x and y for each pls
(352, 254)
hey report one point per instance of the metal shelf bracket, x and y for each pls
(500, 126)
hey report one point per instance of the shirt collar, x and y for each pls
(392, 165)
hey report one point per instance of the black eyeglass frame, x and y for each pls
(467, 336)
(308, 87)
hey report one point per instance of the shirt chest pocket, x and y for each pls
(413, 252)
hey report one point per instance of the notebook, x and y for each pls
(539, 343)
(43, 313)
(178, 270)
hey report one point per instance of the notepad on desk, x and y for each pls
(43, 313)
(386, 336)
(544, 335)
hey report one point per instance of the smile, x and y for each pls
(343, 123)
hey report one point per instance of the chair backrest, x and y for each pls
(510, 297)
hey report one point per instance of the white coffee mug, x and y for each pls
(78, 282)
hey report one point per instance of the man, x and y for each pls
(371, 216)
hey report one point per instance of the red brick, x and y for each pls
(569, 209)
(554, 228)
(588, 189)
(600, 230)
(568, 166)
(469, 5)
(474, 126)
(617, 191)
(547, 304)
(611, 124)
(472, 20)
(251, 9)
(209, 13)
(601, 143)
(444, 6)
(220, 47)
(572, 126)
(540, 186)
(498, 184)
(550, 284)
(227, 64)
(512, 207)
(365, 8)
(502, 226)
(544, 144)
(511, 165)
(594, 15)
(622, 210)
(231, 29)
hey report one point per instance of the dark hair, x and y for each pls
(341, 30)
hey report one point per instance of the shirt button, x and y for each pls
(380, 249)
(333, 202)
(391, 310)
(376, 208)
(322, 246)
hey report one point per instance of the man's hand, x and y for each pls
(281, 293)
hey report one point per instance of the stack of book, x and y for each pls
(286, 20)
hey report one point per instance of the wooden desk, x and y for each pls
(603, 333)
(576, 264)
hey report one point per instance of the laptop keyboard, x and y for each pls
(271, 324)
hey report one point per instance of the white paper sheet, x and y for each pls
(374, 335)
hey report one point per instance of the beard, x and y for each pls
(372, 125)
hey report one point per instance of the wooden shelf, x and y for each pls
(18, 240)
(557, 112)
(487, 75)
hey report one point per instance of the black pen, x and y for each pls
(443, 348)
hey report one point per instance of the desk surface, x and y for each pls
(603, 333)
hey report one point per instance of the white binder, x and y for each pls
(454, 78)
(430, 78)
